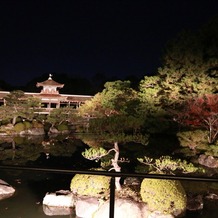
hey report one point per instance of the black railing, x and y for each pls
(112, 175)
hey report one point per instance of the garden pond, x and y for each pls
(60, 152)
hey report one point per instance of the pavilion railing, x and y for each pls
(112, 175)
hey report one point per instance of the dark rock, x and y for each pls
(195, 202)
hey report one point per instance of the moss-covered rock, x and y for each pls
(92, 185)
(167, 196)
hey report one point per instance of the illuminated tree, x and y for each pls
(116, 98)
(60, 115)
(19, 105)
(189, 70)
(98, 153)
(190, 64)
(152, 106)
(201, 112)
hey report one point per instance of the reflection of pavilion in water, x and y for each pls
(50, 96)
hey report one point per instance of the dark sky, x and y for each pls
(115, 37)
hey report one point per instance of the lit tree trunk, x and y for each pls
(14, 120)
(115, 165)
(212, 128)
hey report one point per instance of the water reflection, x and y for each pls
(20, 150)
(30, 190)
(31, 187)
(59, 152)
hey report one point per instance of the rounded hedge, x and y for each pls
(27, 125)
(167, 196)
(91, 185)
(18, 127)
(62, 127)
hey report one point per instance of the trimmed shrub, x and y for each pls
(62, 127)
(18, 127)
(91, 185)
(166, 196)
(5, 122)
(27, 125)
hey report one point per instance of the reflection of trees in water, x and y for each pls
(56, 147)
(19, 150)
(21, 154)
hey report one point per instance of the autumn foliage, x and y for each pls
(201, 112)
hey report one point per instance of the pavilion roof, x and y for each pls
(79, 98)
(50, 82)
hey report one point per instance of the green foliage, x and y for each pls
(190, 63)
(15, 98)
(19, 105)
(152, 107)
(106, 162)
(189, 70)
(94, 153)
(62, 127)
(60, 115)
(119, 128)
(167, 196)
(116, 98)
(212, 150)
(18, 127)
(5, 121)
(166, 164)
(27, 125)
(90, 185)
(194, 139)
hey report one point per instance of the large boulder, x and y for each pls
(58, 203)
(60, 198)
(123, 209)
(86, 206)
(208, 161)
(165, 196)
(93, 207)
(6, 190)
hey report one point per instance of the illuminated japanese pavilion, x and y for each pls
(50, 96)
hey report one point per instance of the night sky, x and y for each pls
(119, 37)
